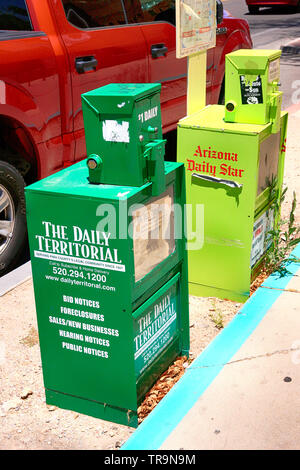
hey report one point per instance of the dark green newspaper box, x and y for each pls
(110, 278)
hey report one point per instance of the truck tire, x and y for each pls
(13, 228)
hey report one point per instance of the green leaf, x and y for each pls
(294, 242)
(293, 229)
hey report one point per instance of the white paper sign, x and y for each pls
(113, 131)
(261, 240)
(195, 26)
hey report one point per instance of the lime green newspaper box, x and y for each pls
(234, 173)
(110, 274)
(251, 87)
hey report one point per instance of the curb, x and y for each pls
(151, 434)
(15, 278)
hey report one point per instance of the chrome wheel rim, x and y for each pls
(7, 218)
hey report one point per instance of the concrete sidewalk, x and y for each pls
(242, 392)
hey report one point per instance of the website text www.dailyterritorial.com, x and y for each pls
(77, 282)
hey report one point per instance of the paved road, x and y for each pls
(270, 29)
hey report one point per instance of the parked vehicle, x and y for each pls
(51, 52)
(255, 5)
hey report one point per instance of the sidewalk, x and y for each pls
(242, 392)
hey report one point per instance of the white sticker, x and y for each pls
(261, 239)
(123, 194)
(274, 70)
(113, 131)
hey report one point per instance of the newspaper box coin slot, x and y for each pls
(109, 262)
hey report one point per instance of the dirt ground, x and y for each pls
(26, 422)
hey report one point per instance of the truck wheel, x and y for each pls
(13, 232)
(253, 9)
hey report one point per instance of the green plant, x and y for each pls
(284, 236)
(217, 317)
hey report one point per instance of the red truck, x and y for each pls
(255, 5)
(51, 52)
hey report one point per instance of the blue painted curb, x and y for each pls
(151, 434)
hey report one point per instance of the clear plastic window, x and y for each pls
(268, 162)
(141, 11)
(153, 233)
(94, 13)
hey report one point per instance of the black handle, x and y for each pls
(158, 50)
(86, 64)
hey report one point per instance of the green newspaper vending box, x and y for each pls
(234, 170)
(126, 119)
(110, 274)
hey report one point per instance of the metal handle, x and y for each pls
(86, 64)
(158, 50)
(213, 179)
